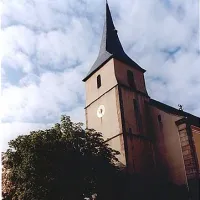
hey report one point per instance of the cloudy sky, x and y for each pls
(49, 46)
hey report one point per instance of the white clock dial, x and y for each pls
(100, 111)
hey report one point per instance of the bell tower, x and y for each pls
(116, 99)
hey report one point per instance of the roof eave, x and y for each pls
(103, 63)
(166, 108)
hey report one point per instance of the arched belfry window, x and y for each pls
(131, 80)
(98, 81)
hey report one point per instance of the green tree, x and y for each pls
(64, 162)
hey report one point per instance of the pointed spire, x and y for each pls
(110, 47)
(110, 40)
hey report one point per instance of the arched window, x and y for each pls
(98, 81)
(131, 80)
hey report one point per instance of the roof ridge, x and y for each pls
(165, 106)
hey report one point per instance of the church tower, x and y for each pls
(116, 99)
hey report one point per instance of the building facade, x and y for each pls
(153, 139)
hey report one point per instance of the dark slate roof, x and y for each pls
(191, 118)
(110, 47)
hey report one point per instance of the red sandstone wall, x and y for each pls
(196, 139)
(121, 75)
(168, 150)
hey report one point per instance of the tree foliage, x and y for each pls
(64, 162)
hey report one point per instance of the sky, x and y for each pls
(50, 45)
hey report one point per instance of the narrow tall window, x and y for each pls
(98, 81)
(159, 119)
(137, 115)
(130, 133)
(131, 80)
(160, 122)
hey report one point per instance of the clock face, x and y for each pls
(100, 111)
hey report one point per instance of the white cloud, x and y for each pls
(11, 130)
(18, 60)
(18, 38)
(57, 50)
(54, 42)
(34, 14)
(43, 101)
(77, 114)
(19, 45)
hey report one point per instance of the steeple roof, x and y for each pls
(111, 47)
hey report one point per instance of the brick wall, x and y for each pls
(188, 154)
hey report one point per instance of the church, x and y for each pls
(154, 139)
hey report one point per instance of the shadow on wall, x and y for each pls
(194, 189)
(135, 187)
